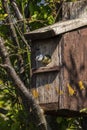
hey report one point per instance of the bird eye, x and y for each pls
(37, 49)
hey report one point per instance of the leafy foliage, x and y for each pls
(69, 123)
(9, 115)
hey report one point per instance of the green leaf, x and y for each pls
(59, 120)
(45, 15)
(15, 126)
(3, 16)
(83, 110)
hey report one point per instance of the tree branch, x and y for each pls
(40, 119)
(4, 66)
(16, 10)
(19, 17)
(13, 33)
(9, 20)
(18, 14)
(16, 43)
(22, 37)
(59, 11)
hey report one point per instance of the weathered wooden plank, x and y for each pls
(48, 87)
(49, 106)
(46, 84)
(74, 58)
(75, 69)
(46, 69)
(56, 29)
(73, 10)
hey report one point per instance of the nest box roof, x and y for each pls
(56, 29)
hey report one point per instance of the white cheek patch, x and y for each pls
(39, 57)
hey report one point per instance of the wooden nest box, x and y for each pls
(59, 65)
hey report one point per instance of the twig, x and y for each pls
(22, 37)
(16, 10)
(58, 12)
(4, 66)
(18, 14)
(13, 33)
(9, 20)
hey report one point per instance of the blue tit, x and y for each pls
(45, 59)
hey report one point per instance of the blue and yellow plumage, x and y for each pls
(45, 59)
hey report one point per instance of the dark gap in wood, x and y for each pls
(66, 113)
